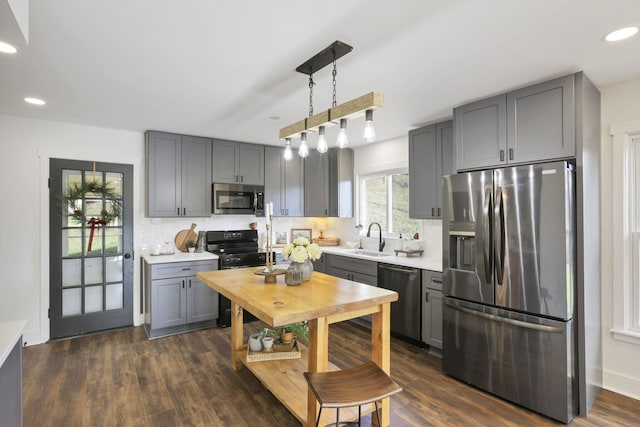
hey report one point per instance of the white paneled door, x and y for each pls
(91, 247)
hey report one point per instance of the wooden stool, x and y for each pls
(351, 387)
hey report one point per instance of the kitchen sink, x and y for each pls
(370, 253)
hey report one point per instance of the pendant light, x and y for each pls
(369, 134)
(303, 151)
(322, 141)
(288, 154)
(357, 107)
(343, 140)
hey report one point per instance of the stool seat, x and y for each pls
(355, 386)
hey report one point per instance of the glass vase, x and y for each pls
(298, 272)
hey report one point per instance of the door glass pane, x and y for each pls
(114, 269)
(93, 207)
(71, 301)
(71, 182)
(93, 270)
(72, 242)
(96, 245)
(114, 184)
(71, 272)
(93, 179)
(93, 299)
(114, 296)
(113, 241)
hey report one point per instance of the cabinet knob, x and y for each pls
(426, 297)
(127, 256)
(433, 212)
(502, 155)
(510, 153)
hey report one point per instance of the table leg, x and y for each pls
(318, 361)
(381, 351)
(237, 337)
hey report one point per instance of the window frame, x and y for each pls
(626, 231)
(362, 194)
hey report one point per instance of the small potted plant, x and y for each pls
(191, 244)
(299, 331)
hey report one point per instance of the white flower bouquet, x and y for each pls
(301, 250)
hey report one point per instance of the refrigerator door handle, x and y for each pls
(499, 240)
(487, 235)
(518, 323)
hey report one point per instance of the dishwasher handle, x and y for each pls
(398, 269)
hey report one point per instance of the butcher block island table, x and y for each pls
(323, 300)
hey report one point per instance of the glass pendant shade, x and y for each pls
(343, 141)
(369, 134)
(288, 154)
(303, 151)
(322, 141)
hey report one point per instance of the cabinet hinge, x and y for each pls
(49, 313)
(49, 182)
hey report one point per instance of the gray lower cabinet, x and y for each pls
(284, 183)
(175, 300)
(432, 308)
(11, 387)
(178, 175)
(320, 264)
(328, 183)
(237, 163)
(531, 124)
(358, 270)
(430, 157)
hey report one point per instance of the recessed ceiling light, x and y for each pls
(34, 101)
(621, 34)
(7, 48)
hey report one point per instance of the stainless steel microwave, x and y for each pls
(237, 199)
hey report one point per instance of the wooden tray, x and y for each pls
(327, 241)
(279, 352)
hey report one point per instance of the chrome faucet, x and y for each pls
(382, 242)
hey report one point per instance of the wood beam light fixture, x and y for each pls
(338, 114)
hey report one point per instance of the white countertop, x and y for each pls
(178, 257)
(423, 262)
(10, 333)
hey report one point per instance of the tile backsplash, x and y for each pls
(156, 231)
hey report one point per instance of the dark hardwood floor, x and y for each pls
(120, 378)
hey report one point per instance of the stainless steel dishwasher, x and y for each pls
(406, 312)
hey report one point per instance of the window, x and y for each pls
(384, 198)
(626, 231)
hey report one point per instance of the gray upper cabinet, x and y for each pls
(430, 157)
(540, 121)
(178, 175)
(532, 124)
(237, 162)
(328, 183)
(316, 184)
(481, 133)
(284, 183)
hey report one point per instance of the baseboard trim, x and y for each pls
(622, 384)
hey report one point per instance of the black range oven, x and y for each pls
(236, 249)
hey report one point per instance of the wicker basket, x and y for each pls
(280, 352)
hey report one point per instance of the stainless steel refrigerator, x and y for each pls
(509, 271)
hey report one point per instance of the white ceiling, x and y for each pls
(226, 69)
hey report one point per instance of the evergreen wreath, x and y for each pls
(79, 192)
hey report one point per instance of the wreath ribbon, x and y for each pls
(93, 222)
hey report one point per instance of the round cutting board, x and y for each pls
(185, 236)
